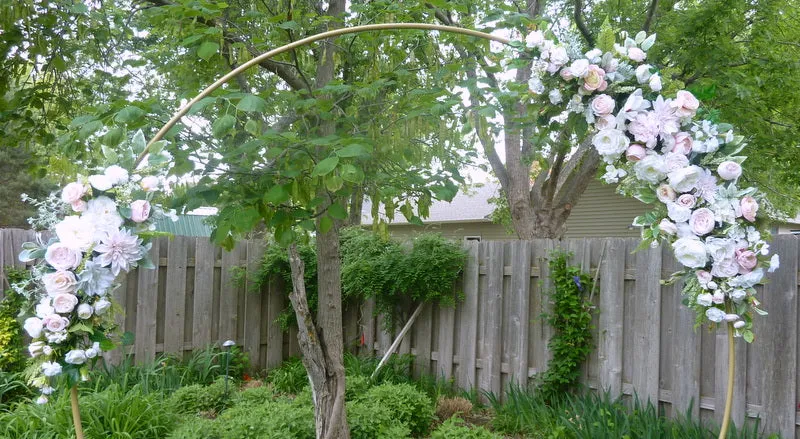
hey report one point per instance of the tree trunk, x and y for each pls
(322, 358)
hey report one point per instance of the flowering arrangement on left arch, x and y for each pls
(668, 152)
(101, 225)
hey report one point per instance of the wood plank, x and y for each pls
(229, 294)
(119, 295)
(646, 324)
(277, 300)
(422, 342)
(4, 284)
(368, 327)
(447, 315)
(19, 237)
(519, 322)
(492, 341)
(685, 345)
(612, 306)
(175, 307)
(779, 338)
(469, 318)
(548, 245)
(202, 307)
(253, 297)
(146, 310)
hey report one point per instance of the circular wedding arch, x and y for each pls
(612, 139)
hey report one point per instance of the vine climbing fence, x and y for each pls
(645, 342)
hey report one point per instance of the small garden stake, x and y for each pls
(227, 345)
(76, 412)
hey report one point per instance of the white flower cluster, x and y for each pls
(96, 238)
(662, 154)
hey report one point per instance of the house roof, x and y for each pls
(470, 205)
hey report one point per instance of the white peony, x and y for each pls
(75, 233)
(675, 161)
(101, 182)
(690, 252)
(579, 68)
(33, 326)
(678, 213)
(610, 142)
(668, 227)
(685, 179)
(650, 169)
(720, 248)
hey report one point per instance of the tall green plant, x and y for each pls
(571, 320)
(11, 356)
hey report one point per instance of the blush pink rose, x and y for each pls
(686, 200)
(729, 170)
(64, 303)
(675, 161)
(683, 143)
(703, 277)
(55, 323)
(140, 211)
(636, 54)
(61, 257)
(566, 74)
(59, 282)
(80, 206)
(603, 105)
(73, 192)
(594, 78)
(635, 152)
(665, 193)
(746, 259)
(685, 104)
(702, 221)
(603, 86)
(668, 227)
(749, 207)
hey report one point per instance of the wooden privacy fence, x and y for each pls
(644, 336)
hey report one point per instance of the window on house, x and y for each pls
(472, 238)
(795, 231)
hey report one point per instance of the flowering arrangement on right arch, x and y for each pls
(664, 151)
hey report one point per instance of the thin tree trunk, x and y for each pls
(323, 359)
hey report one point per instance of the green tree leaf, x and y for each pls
(325, 166)
(252, 103)
(223, 125)
(129, 114)
(207, 50)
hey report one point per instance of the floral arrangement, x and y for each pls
(101, 225)
(668, 152)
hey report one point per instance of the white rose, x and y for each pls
(62, 257)
(593, 54)
(678, 213)
(47, 351)
(704, 299)
(64, 303)
(534, 39)
(44, 309)
(720, 248)
(100, 182)
(650, 169)
(702, 221)
(55, 323)
(116, 174)
(605, 122)
(101, 306)
(655, 82)
(91, 353)
(603, 105)
(703, 277)
(535, 85)
(85, 311)
(636, 54)
(685, 179)
(718, 297)
(675, 161)
(739, 325)
(668, 227)
(643, 73)
(75, 233)
(665, 193)
(729, 170)
(33, 326)
(579, 68)
(59, 282)
(555, 96)
(738, 295)
(75, 356)
(726, 267)
(716, 315)
(690, 252)
(686, 200)
(51, 368)
(73, 192)
(558, 56)
(149, 183)
(610, 142)
(711, 285)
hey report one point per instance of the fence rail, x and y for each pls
(644, 337)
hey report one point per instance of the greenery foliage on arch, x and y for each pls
(664, 151)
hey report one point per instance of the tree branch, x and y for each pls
(651, 12)
(578, 16)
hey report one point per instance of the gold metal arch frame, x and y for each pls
(396, 26)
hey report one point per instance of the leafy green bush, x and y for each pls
(290, 377)
(193, 427)
(198, 398)
(12, 358)
(406, 404)
(370, 420)
(111, 413)
(279, 419)
(455, 428)
(356, 387)
(254, 395)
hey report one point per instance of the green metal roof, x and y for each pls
(187, 225)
